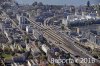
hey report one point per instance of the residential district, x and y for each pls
(49, 35)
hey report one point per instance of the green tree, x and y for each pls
(62, 26)
(26, 38)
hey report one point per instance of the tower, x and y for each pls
(88, 3)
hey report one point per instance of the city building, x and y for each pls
(45, 48)
(23, 22)
(78, 20)
(31, 63)
(98, 10)
(29, 29)
(94, 36)
(7, 24)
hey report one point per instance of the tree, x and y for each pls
(13, 42)
(40, 4)
(35, 3)
(0, 12)
(62, 27)
(26, 38)
(43, 57)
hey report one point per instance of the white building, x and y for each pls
(74, 19)
(31, 63)
(21, 19)
(65, 22)
(29, 29)
(36, 33)
(45, 48)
